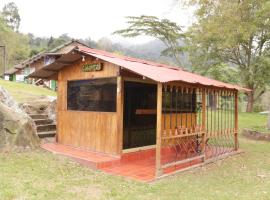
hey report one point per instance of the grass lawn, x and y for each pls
(42, 175)
(25, 92)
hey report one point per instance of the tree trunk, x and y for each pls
(250, 102)
(268, 124)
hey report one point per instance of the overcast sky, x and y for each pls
(92, 18)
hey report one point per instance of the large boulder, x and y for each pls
(7, 100)
(17, 129)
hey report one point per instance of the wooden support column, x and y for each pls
(203, 110)
(159, 130)
(203, 120)
(120, 113)
(236, 142)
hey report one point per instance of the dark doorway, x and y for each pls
(140, 102)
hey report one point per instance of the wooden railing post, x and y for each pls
(203, 120)
(159, 130)
(236, 142)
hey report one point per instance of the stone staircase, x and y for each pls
(46, 128)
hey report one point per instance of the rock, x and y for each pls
(7, 100)
(256, 135)
(38, 106)
(35, 107)
(16, 129)
(51, 110)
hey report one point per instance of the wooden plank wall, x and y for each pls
(37, 64)
(95, 131)
(182, 118)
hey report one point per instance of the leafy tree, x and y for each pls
(223, 73)
(55, 42)
(163, 29)
(268, 123)
(16, 44)
(11, 15)
(236, 33)
(89, 42)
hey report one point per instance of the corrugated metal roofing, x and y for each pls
(156, 71)
(152, 70)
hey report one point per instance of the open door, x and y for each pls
(139, 114)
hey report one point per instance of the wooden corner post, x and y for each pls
(236, 142)
(159, 130)
(120, 108)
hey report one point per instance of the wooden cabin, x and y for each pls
(115, 104)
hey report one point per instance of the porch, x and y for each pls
(139, 165)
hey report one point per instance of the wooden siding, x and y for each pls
(95, 131)
(37, 64)
(74, 72)
(183, 119)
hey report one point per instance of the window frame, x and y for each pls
(92, 79)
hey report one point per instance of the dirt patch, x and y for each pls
(256, 135)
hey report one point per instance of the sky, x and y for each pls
(93, 18)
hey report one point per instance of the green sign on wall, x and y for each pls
(92, 67)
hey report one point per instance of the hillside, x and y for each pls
(25, 92)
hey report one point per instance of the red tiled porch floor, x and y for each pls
(138, 165)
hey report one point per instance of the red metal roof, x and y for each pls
(156, 71)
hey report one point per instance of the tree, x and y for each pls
(268, 124)
(11, 15)
(168, 32)
(16, 44)
(236, 33)
(55, 42)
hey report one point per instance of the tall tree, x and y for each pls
(236, 33)
(268, 123)
(16, 44)
(11, 15)
(168, 32)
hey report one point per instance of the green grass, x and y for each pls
(42, 175)
(25, 92)
(249, 120)
(255, 122)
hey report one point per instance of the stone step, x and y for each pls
(46, 134)
(38, 116)
(43, 121)
(47, 127)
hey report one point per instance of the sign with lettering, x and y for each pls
(92, 67)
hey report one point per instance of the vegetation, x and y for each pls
(166, 31)
(44, 175)
(16, 45)
(230, 35)
(236, 33)
(11, 15)
(268, 123)
(24, 92)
